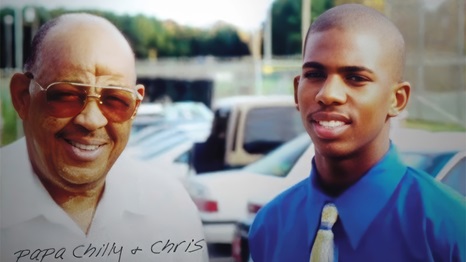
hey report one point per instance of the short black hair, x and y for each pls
(36, 44)
(359, 17)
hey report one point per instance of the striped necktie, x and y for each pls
(322, 250)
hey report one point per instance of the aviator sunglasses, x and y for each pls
(68, 99)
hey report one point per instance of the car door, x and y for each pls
(454, 173)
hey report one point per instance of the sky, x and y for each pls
(245, 14)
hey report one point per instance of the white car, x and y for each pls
(176, 113)
(221, 196)
(167, 149)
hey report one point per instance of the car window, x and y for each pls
(266, 128)
(188, 111)
(280, 161)
(138, 136)
(161, 143)
(430, 163)
(184, 158)
(456, 177)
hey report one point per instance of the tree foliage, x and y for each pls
(150, 36)
(286, 24)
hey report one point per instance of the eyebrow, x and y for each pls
(315, 65)
(345, 69)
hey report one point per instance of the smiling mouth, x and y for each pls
(331, 124)
(83, 146)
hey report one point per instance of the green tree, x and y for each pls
(148, 34)
(286, 24)
(226, 42)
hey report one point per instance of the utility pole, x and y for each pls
(8, 21)
(305, 19)
(461, 54)
(19, 38)
(268, 35)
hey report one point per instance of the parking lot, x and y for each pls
(223, 196)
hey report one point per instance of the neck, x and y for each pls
(79, 204)
(81, 208)
(336, 174)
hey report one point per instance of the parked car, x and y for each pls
(196, 131)
(244, 129)
(221, 196)
(171, 114)
(167, 149)
(443, 155)
(163, 134)
(147, 114)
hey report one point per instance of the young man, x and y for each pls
(360, 202)
(66, 192)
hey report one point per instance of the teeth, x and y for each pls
(331, 124)
(84, 147)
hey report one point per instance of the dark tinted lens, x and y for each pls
(118, 105)
(65, 100)
(68, 100)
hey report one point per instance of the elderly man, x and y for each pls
(66, 193)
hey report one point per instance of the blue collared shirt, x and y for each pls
(393, 213)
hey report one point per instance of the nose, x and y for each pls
(91, 117)
(332, 92)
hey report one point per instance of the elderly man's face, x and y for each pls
(76, 152)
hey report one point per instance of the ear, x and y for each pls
(141, 90)
(399, 98)
(295, 87)
(20, 97)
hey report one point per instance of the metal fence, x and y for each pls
(434, 31)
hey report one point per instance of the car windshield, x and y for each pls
(456, 177)
(269, 127)
(163, 146)
(280, 161)
(430, 163)
(188, 111)
(159, 141)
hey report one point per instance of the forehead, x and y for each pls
(344, 48)
(86, 49)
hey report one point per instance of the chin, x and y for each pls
(83, 175)
(333, 150)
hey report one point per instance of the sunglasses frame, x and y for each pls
(136, 96)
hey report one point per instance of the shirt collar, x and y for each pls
(23, 197)
(359, 205)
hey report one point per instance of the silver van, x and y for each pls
(244, 129)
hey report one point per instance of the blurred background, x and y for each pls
(192, 56)
(205, 50)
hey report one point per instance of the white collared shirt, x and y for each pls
(142, 216)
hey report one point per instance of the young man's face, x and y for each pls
(344, 91)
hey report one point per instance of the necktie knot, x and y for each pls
(329, 216)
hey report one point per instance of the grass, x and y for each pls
(433, 126)
(8, 113)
